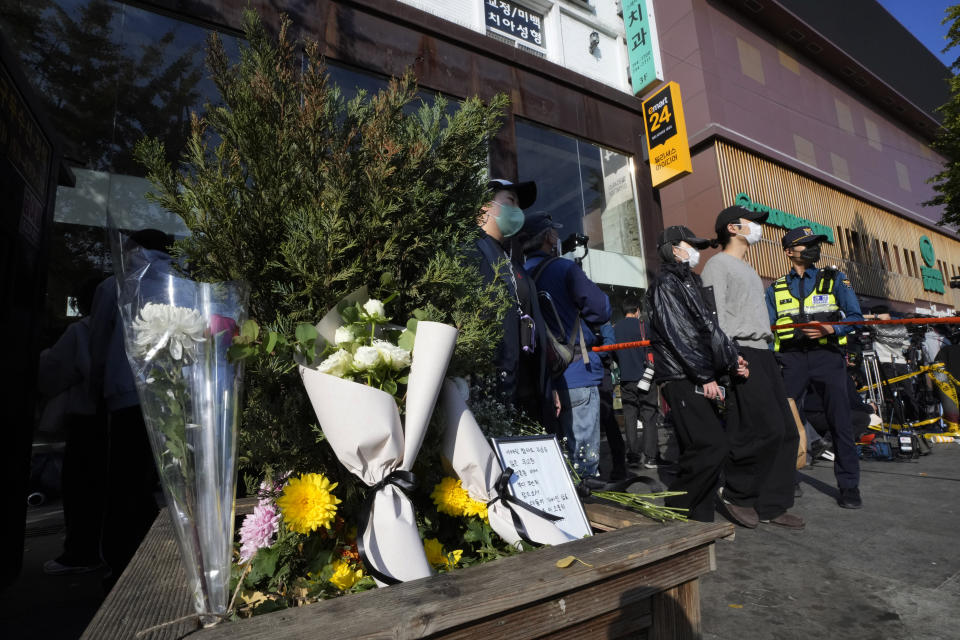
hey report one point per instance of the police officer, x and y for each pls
(812, 355)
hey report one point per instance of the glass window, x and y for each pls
(108, 75)
(589, 190)
(352, 81)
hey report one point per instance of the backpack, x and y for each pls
(560, 351)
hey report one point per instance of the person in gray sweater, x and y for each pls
(759, 475)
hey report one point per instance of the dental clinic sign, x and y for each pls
(783, 219)
(932, 277)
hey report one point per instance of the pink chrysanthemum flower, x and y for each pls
(258, 529)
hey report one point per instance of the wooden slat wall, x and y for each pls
(872, 270)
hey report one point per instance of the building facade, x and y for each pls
(790, 109)
(113, 72)
(786, 109)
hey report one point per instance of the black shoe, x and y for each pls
(744, 516)
(634, 459)
(618, 475)
(594, 484)
(850, 498)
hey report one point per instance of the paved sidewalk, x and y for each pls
(42, 607)
(890, 570)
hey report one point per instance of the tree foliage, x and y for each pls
(947, 182)
(308, 196)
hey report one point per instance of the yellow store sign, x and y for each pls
(666, 135)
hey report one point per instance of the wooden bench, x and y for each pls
(637, 580)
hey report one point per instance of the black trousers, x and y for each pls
(85, 487)
(608, 422)
(703, 449)
(859, 421)
(827, 371)
(132, 473)
(763, 439)
(640, 405)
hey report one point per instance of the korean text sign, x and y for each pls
(541, 479)
(643, 48)
(666, 135)
(518, 21)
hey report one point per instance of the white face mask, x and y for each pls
(756, 232)
(693, 256)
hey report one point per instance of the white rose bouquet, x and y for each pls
(366, 374)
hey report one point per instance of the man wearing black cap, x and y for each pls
(692, 358)
(520, 359)
(812, 354)
(580, 305)
(759, 474)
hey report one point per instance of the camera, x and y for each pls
(646, 379)
(573, 241)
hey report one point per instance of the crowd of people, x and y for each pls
(724, 360)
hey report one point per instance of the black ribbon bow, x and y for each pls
(406, 482)
(503, 495)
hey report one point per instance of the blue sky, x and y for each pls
(922, 18)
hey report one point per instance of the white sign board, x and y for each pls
(540, 479)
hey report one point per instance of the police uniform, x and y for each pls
(819, 295)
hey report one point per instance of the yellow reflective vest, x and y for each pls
(820, 305)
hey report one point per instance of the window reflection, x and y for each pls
(108, 75)
(589, 190)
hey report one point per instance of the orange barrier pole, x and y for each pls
(801, 325)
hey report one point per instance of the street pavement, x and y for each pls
(890, 570)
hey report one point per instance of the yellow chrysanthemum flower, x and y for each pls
(439, 558)
(307, 503)
(449, 497)
(344, 576)
(475, 508)
(452, 499)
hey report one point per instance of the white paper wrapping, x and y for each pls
(363, 426)
(472, 458)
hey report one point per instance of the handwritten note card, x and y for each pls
(540, 478)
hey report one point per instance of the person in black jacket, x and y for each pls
(692, 357)
(520, 358)
(640, 398)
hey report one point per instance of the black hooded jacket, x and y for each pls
(687, 339)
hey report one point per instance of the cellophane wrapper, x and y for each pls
(177, 333)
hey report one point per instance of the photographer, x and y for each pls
(580, 305)
(692, 355)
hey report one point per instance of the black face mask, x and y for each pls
(811, 254)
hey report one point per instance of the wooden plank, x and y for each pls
(152, 590)
(676, 613)
(629, 622)
(574, 608)
(427, 607)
